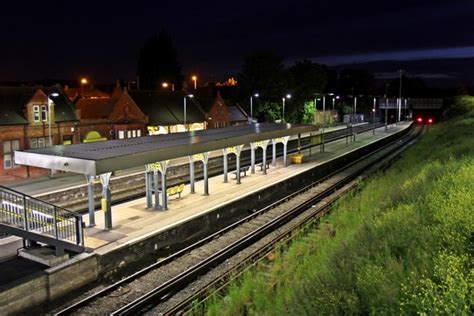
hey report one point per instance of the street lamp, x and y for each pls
(386, 106)
(166, 85)
(251, 104)
(84, 81)
(373, 117)
(53, 94)
(288, 96)
(194, 78)
(184, 106)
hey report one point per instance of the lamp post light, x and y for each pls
(83, 82)
(386, 106)
(184, 108)
(166, 85)
(373, 117)
(288, 96)
(53, 94)
(251, 104)
(194, 78)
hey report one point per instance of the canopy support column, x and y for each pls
(252, 157)
(148, 187)
(90, 199)
(263, 145)
(155, 189)
(164, 198)
(274, 153)
(191, 174)
(106, 199)
(285, 150)
(238, 150)
(205, 161)
(225, 163)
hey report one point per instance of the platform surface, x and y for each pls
(132, 221)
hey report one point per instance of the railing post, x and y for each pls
(25, 214)
(55, 220)
(79, 232)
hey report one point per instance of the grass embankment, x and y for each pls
(401, 245)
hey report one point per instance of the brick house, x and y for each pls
(220, 112)
(110, 117)
(25, 124)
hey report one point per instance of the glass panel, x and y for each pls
(44, 113)
(129, 134)
(7, 148)
(139, 133)
(40, 142)
(15, 145)
(121, 135)
(134, 133)
(7, 161)
(34, 143)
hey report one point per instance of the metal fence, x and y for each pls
(36, 216)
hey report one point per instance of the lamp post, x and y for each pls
(166, 85)
(386, 106)
(83, 82)
(373, 117)
(184, 108)
(194, 78)
(251, 104)
(399, 107)
(53, 94)
(288, 96)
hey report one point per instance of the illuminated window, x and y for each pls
(9, 148)
(139, 133)
(121, 134)
(44, 113)
(36, 113)
(129, 134)
(134, 133)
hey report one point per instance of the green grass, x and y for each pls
(402, 245)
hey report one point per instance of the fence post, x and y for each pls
(25, 214)
(56, 233)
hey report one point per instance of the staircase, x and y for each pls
(41, 222)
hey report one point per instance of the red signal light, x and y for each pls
(419, 120)
(430, 120)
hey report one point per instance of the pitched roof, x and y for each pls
(95, 108)
(167, 107)
(64, 110)
(12, 103)
(85, 92)
(236, 114)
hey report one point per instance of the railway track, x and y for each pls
(139, 292)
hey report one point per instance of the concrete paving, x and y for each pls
(132, 221)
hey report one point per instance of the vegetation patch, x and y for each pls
(401, 245)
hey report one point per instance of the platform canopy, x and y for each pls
(108, 156)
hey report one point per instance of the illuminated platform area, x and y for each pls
(135, 221)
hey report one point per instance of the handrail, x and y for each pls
(37, 219)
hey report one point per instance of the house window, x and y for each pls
(39, 142)
(139, 133)
(134, 133)
(44, 113)
(129, 134)
(9, 148)
(36, 113)
(121, 134)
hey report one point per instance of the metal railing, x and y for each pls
(39, 217)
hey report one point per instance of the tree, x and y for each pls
(263, 73)
(158, 63)
(306, 80)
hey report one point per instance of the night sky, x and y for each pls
(101, 39)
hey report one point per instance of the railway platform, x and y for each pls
(135, 222)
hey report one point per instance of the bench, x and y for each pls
(242, 170)
(178, 189)
(268, 165)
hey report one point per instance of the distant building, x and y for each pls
(165, 111)
(25, 122)
(220, 112)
